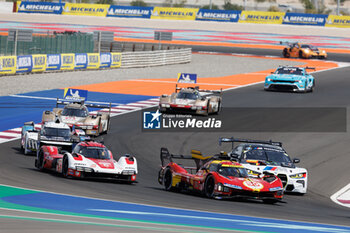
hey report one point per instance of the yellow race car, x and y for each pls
(303, 51)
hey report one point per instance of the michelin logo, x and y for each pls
(151, 120)
(187, 78)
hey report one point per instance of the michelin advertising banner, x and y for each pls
(174, 13)
(80, 61)
(53, 61)
(8, 65)
(93, 61)
(261, 17)
(85, 9)
(24, 64)
(218, 15)
(305, 19)
(67, 61)
(39, 63)
(39, 7)
(130, 11)
(338, 21)
(105, 60)
(116, 60)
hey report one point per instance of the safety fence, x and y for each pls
(49, 44)
(172, 13)
(90, 61)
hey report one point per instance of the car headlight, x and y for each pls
(300, 81)
(306, 50)
(298, 176)
(323, 51)
(220, 187)
(268, 80)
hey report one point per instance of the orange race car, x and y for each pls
(303, 51)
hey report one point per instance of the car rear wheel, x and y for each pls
(168, 179)
(65, 167)
(209, 186)
(285, 53)
(40, 161)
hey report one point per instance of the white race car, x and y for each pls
(88, 159)
(260, 157)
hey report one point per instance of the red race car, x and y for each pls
(217, 177)
(88, 159)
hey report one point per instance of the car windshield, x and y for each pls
(187, 95)
(306, 46)
(55, 132)
(75, 112)
(289, 70)
(94, 152)
(229, 170)
(270, 155)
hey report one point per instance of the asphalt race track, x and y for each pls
(325, 155)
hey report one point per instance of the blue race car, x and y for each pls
(290, 78)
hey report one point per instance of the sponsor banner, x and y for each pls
(8, 64)
(304, 19)
(129, 11)
(338, 21)
(39, 7)
(85, 9)
(93, 61)
(53, 62)
(67, 61)
(39, 63)
(80, 61)
(24, 64)
(174, 13)
(261, 17)
(116, 60)
(105, 60)
(218, 15)
(75, 94)
(186, 78)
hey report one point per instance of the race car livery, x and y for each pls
(51, 133)
(290, 78)
(303, 51)
(88, 159)
(76, 114)
(217, 177)
(191, 100)
(268, 156)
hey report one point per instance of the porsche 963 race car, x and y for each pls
(88, 159)
(191, 100)
(76, 113)
(261, 156)
(217, 177)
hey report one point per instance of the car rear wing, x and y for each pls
(200, 90)
(91, 105)
(233, 140)
(166, 157)
(310, 68)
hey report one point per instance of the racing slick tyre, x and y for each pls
(219, 108)
(209, 186)
(301, 54)
(168, 179)
(269, 201)
(65, 167)
(208, 105)
(39, 162)
(313, 86)
(285, 53)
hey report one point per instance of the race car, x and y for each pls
(51, 133)
(290, 78)
(76, 113)
(261, 156)
(303, 51)
(191, 100)
(217, 177)
(88, 159)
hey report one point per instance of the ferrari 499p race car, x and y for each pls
(290, 78)
(77, 114)
(51, 133)
(88, 159)
(217, 177)
(191, 100)
(261, 156)
(303, 51)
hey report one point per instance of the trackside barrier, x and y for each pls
(174, 13)
(71, 61)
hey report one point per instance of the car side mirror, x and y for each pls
(272, 72)
(296, 160)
